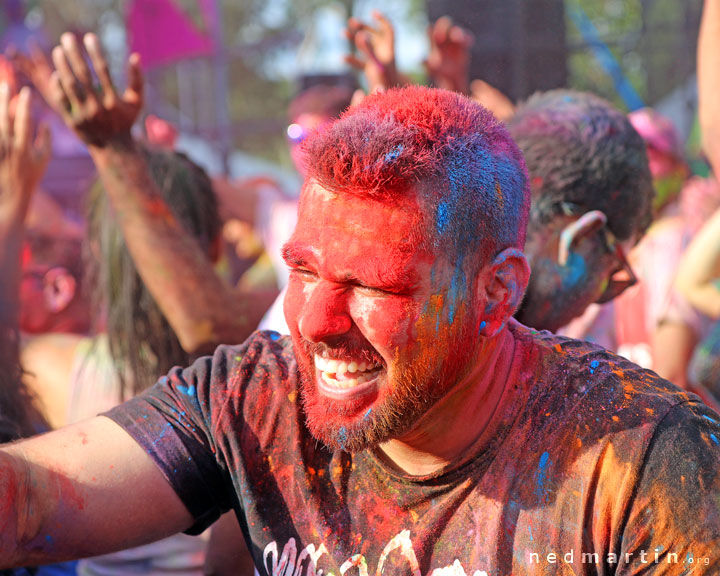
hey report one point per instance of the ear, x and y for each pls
(59, 289)
(503, 283)
(586, 225)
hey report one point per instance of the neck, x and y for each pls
(457, 421)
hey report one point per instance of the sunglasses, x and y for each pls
(623, 277)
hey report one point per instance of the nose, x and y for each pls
(325, 314)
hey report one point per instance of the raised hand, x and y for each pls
(98, 115)
(449, 59)
(23, 159)
(36, 67)
(376, 48)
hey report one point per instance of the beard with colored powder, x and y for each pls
(401, 397)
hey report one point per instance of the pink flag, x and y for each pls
(162, 33)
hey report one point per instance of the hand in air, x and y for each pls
(36, 67)
(449, 59)
(23, 157)
(376, 52)
(97, 114)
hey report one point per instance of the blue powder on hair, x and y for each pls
(442, 218)
(394, 153)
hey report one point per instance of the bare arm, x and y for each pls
(708, 66)
(700, 268)
(22, 164)
(202, 310)
(227, 553)
(672, 347)
(84, 490)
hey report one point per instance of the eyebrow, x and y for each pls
(295, 255)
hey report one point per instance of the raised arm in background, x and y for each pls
(448, 64)
(699, 269)
(200, 307)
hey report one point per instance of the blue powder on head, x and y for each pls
(482, 325)
(367, 414)
(394, 153)
(714, 439)
(442, 218)
(274, 336)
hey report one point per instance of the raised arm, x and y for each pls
(84, 490)
(699, 269)
(23, 159)
(375, 52)
(449, 60)
(708, 67)
(202, 310)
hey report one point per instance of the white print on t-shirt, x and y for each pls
(290, 562)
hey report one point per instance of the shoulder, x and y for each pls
(595, 386)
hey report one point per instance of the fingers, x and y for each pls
(440, 30)
(136, 85)
(42, 147)
(384, 25)
(461, 37)
(66, 78)
(364, 43)
(92, 45)
(4, 111)
(76, 59)
(58, 99)
(355, 62)
(22, 128)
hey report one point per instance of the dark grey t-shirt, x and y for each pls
(597, 467)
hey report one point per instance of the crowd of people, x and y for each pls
(490, 344)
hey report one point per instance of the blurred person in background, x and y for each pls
(23, 160)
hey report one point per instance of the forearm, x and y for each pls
(199, 306)
(11, 240)
(64, 495)
(700, 267)
(708, 66)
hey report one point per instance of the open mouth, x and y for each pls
(342, 374)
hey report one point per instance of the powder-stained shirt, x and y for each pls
(595, 466)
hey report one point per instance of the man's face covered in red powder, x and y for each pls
(377, 329)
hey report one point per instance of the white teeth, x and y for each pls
(349, 383)
(330, 369)
(320, 363)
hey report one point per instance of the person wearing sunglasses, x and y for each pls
(591, 202)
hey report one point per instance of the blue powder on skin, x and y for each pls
(367, 414)
(574, 271)
(714, 439)
(482, 325)
(593, 365)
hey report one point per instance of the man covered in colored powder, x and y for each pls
(409, 425)
(591, 202)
